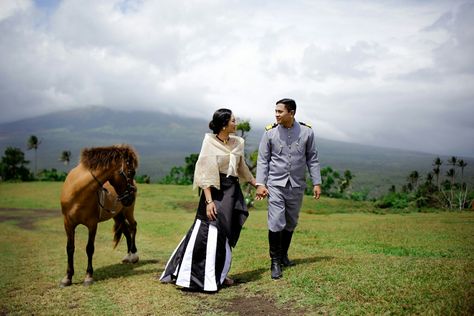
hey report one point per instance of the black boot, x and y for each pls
(274, 239)
(285, 244)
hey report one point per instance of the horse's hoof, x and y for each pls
(134, 258)
(65, 282)
(88, 281)
(130, 258)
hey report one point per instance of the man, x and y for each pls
(286, 149)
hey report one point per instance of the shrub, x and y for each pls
(143, 179)
(51, 175)
(393, 200)
(359, 195)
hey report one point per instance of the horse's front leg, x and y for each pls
(70, 232)
(130, 233)
(90, 252)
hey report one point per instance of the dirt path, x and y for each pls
(26, 217)
(258, 306)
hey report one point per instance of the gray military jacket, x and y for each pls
(284, 153)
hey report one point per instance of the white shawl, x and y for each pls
(206, 172)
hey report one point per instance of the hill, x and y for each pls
(163, 141)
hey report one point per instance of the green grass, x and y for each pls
(350, 261)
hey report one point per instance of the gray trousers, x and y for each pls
(284, 204)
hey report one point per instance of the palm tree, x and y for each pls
(451, 174)
(65, 157)
(413, 178)
(462, 165)
(404, 188)
(437, 170)
(33, 143)
(437, 162)
(452, 161)
(462, 197)
(429, 178)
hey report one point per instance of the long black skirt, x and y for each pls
(202, 259)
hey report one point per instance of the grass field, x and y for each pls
(350, 261)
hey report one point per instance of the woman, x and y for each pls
(202, 259)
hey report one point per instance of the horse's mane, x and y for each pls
(105, 157)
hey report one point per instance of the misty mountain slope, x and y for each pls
(163, 141)
(160, 139)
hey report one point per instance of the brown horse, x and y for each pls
(100, 187)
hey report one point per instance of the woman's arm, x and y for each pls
(211, 210)
(253, 183)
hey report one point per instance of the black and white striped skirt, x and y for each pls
(202, 259)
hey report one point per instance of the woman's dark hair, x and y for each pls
(290, 104)
(220, 119)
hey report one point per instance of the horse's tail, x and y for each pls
(119, 226)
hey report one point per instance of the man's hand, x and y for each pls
(316, 191)
(261, 193)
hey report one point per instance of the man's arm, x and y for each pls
(263, 158)
(312, 162)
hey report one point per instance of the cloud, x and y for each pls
(455, 55)
(10, 8)
(388, 72)
(339, 61)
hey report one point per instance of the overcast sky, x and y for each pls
(396, 73)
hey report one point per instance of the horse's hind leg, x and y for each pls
(70, 232)
(90, 252)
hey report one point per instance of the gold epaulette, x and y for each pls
(270, 126)
(305, 124)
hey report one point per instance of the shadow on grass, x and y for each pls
(248, 276)
(254, 275)
(120, 270)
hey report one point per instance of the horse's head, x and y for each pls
(116, 164)
(123, 180)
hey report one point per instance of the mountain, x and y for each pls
(163, 140)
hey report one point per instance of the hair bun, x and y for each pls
(212, 126)
(220, 119)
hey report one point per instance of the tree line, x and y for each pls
(442, 187)
(13, 165)
(439, 188)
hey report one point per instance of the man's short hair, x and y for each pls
(290, 104)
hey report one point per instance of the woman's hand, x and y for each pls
(211, 211)
(253, 183)
(261, 193)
